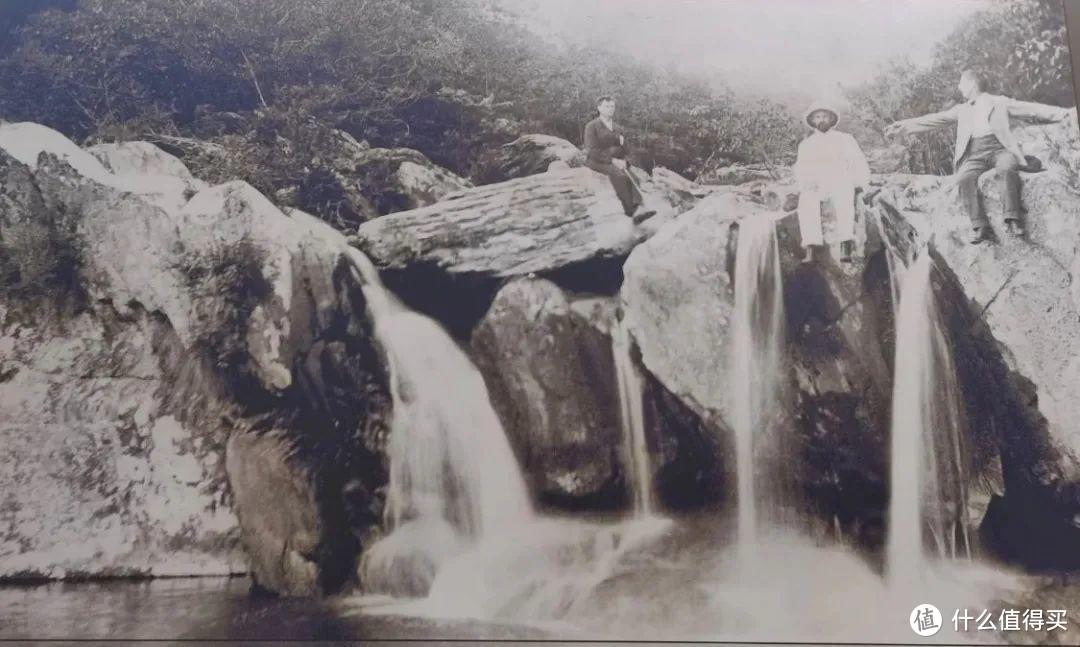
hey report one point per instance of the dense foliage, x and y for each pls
(451, 79)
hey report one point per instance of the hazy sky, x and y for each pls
(784, 47)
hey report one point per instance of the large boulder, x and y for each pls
(140, 158)
(539, 223)
(319, 169)
(680, 184)
(110, 470)
(549, 363)
(143, 169)
(679, 287)
(399, 179)
(181, 328)
(532, 154)
(347, 182)
(150, 172)
(742, 173)
(551, 378)
(448, 260)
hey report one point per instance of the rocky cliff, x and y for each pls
(199, 332)
(1020, 306)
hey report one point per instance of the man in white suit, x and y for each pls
(830, 166)
(984, 141)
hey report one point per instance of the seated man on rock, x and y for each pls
(605, 152)
(984, 141)
(830, 166)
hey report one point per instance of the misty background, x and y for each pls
(780, 48)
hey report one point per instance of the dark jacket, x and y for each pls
(602, 143)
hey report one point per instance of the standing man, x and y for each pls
(605, 152)
(830, 166)
(984, 141)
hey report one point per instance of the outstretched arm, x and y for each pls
(1037, 111)
(925, 123)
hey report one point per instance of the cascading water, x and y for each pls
(493, 559)
(632, 416)
(462, 527)
(453, 476)
(896, 275)
(757, 342)
(928, 480)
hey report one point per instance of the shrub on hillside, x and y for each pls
(453, 80)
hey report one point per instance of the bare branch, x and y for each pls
(254, 79)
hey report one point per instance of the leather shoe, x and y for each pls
(981, 235)
(1015, 228)
(1031, 164)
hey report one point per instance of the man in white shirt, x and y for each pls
(830, 166)
(984, 141)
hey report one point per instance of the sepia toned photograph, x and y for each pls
(539, 321)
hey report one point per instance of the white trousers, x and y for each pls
(843, 200)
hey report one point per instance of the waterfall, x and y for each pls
(896, 272)
(632, 416)
(453, 476)
(928, 481)
(757, 342)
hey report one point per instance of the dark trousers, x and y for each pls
(983, 154)
(624, 188)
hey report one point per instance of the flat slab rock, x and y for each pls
(533, 224)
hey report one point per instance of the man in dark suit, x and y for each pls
(605, 152)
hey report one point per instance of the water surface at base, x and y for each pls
(645, 580)
(686, 579)
(206, 609)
